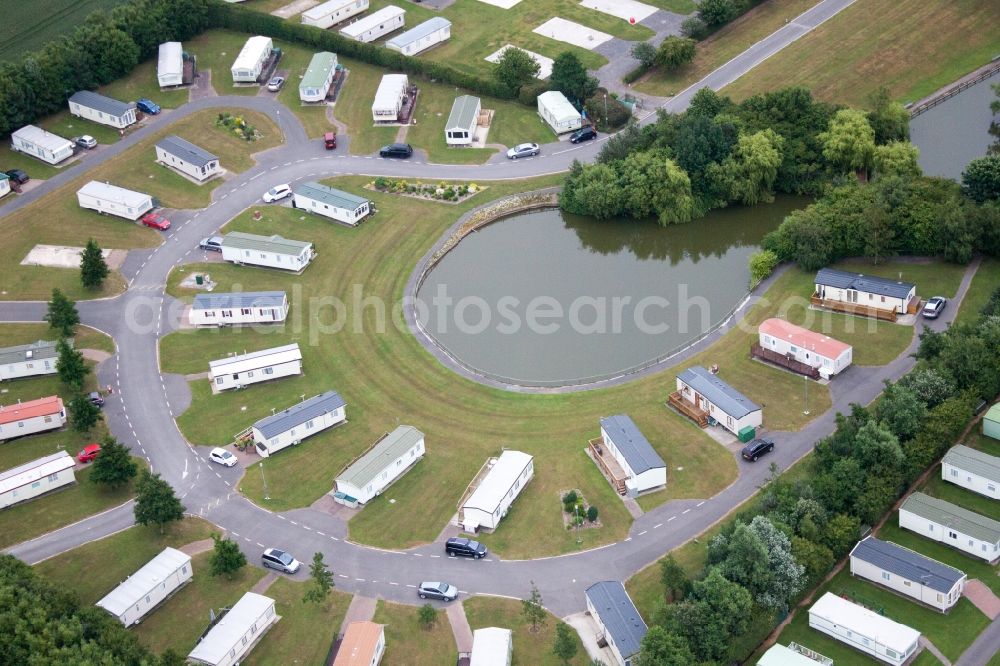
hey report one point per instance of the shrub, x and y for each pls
(570, 497)
(762, 264)
(694, 28)
(617, 113)
(675, 52)
(592, 514)
(645, 53)
(635, 74)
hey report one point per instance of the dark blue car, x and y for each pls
(148, 106)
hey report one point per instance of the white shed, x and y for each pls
(298, 422)
(189, 159)
(236, 633)
(617, 618)
(863, 629)
(316, 82)
(4, 184)
(35, 478)
(141, 592)
(27, 418)
(260, 366)
(268, 251)
(972, 469)
(101, 109)
(389, 458)
(37, 358)
(557, 111)
(907, 572)
(506, 477)
(421, 37)
(373, 26)
(942, 521)
(492, 646)
(816, 350)
(333, 12)
(716, 400)
(389, 98)
(250, 307)
(39, 143)
(170, 65)
(462, 121)
(249, 63)
(110, 199)
(643, 468)
(332, 203)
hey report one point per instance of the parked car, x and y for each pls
(156, 221)
(330, 140)
(88, 453)
(18, 176)
(86, 141)
(460, 546)
(522, 150)
(213, 243)
(442, 591)
(396, 150)
(274, 85)
(223, 457)
(934, 307)
(280, 560)
(148, 106)
(277, 193)
(756, 448)
(583, 134)
(96, 399)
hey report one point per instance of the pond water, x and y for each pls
(547, 298)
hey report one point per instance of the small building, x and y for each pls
(298, 422)
(462, 121)
(37, 358)
(333, 12)
(389, 98)
(506, 477)
(389, 458)
(141, 592)
(242, 370)
(421, 37)
(863, 629)
(363, 644)
(4, 184)
(637, 467)
(492, 646)
(101, 109)
(617, 618)
(859, 293)
(236, 633)
(110, 199)
(39, 143)
(828, 356)
(991, 422)
(907, 572)
(707, 399)
(250, 62)
(189, 159)
(35, 478)
(942, 521)
(170, 65)
(251, 307)
(27, 418)
(792, 655)
(557, 111)
(332, 203)
(972, 469)
(268, 251)
(373, 26)
(316, 82)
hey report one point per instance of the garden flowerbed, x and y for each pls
(442, 191)
(238, 127)
(577, 513)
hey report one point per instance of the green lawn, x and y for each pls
(84, 337)
(409, 644)
(932, 278)
(354, 108)
(950, 492)
(984, 283)
(37, 169)
(142, 83)
(216, 51)
(67, 125)
(529, 648)
(296, 59)
(977, 440)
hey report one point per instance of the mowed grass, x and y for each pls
(935, 486)
(354, 108)
(529, 647)
(216, 51)
(142, 83)
(407, 643)
(27, 26)
(295, 60)
(911, 47)
(984, 283)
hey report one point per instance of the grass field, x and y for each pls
(141, 83)
(984, 283)
(28, 26)
(409, 644)
(529, 648)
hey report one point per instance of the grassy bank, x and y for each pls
(984, 283)
(529, 648)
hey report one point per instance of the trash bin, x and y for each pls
(746, 433)
(199, 279)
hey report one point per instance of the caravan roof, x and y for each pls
(319, 69)
(390, 90)
(464, 112)
(634, 447)
(119, 195)
(299, 414)
(221, 638)
(254, 360)
(186, 150)
(243, 299)
(250, 53)
(865, 622)
(498, 481)
(32, 471)
(31, 409)
(363, 25)
(36, 350)
(975, 461)
(170, 59)
(418, 32)
(138, 585)
(389, 448)
(92, 100)
(243, 241)
(39, 137)
(718, 392)
(331, 196)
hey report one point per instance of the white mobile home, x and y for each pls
(27, 418)
(816, 350)
(296, 423)
(141, 592)
(101, 109)
(943, 521)
(391, 457)
(36, 142)
(328, 202)
(969, 468)
(717, 400)
(236, 633)
(249, 63)
(251, 307)
(268, 251)
(187, 158)
(389, 98)
(792, 655)
(907, 572)
(421, 37)
(4, 184)
(373, 26)
(557, 111)
(870, 291)
(492, 646)
(497, 490)
(110, 199)
(37, 358)
(35, 478)
(462, 121)
(333, 12)
(617, 619)
(170, 65)
(363, 645)
(316, 82)
(242, 370)
(640, 468)
(863, 629)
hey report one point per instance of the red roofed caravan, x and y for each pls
(27, 418)
(819, 351)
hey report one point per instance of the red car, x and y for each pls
(88, 453)
(156, 221)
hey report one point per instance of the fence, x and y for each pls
(951, 92)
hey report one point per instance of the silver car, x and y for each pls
(442, 591)
(280, 560)
(523, 150)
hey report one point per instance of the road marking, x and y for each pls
(685, 511)
(255, 177)
(260, 544)
(293, 523)
(671, 518)
(699, 504)
(642, 532)
(657, 526)
(247, 539)
(392, 583)
(236, 533)
(463, 591)
(343, 576)
(413, 586)
(629, 539)
(282, 517)
(417, 555)
(320, 533)
(435, 556)
(360, 580)
(307, 528)
(218, 475)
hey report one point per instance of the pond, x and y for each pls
(547, 299)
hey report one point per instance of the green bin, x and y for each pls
(747, 433)
(198, 279)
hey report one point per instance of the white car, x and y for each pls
(523, 150)
(223, 457)
(277, 193)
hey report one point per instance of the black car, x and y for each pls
(396, 150)
(460, 546)
(95, 399)
(583, 134)
(756, 448)
(18, 176)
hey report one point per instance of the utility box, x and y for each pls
(746, 433)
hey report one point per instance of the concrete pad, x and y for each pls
(982, 598)
(361, 609)
(623, 9)
(60, 256)
(544, 64)
(502, 4)
(588, 630)
(460, 628)
(264, 583)
(294, 8)
(572, 33)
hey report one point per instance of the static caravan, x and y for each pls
(110, 199)
(236, 633)
(35, 478)
(819, 351)
(640, 468)
(101, 109)
(373, 26)
(333, 12)
(187, 158)
(4, 184)
(991, 422)
(305, 419)
(36, 142)
(242, 370)
(863, 629)
(869, 291)
(170, 65)
(492, 646)
(792, 655)
(149, 586)
(557, 111)
(497, 490)
(617, 619)
(329, 202)
(37, 358)
(969, 468)
(389, 98)
(267, 251)
(907, 572)
(316, 82)
(421, 37)
(251, 307)
(462, 121)
(391, 457)
(363, 645)
(942, 521)
(27, 418)
(249, 63)
(716, 400)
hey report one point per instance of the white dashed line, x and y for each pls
(360, 580)
(392, 583)
(320, 533)
(260, 544)
(413, 586)
(293, 523)
(435, 556)
(685, 511)
(671, 518)
(417, 555)
(658, 525)
(343, 576)
(699, 504)
(642, 532)
(306, 527)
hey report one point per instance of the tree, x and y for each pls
(515, 68)
(592, 513)
(753, 166)
(931, 387)
(93, 268)
(816, 558)
(879, 235)
(849, 142)
(901, 409)
(427, 616)
(717, 611)
(758, 556)
(675, 52)
(897, 158)
(694, 28)
(227, 558)
(570, 77)
(532, 610)
(663, 648)
(675, 581)
(565, 646)
(114, 466)
(62, 314)
(155, 501)
(652, 184)
(889, 119)
(718, 12)
(841, 533)
(762, 264)
(645, 53)
(322, 580)
(83, 414)
(981, 179)
(593, 190)
(70, 365)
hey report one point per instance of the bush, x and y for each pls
(645, 53)
(694, 28)
(720, 12)
(570, 497)
(635, 74)
(592, 514)
(675, 52)
(762, 264)
(529, 92)
(617, 113)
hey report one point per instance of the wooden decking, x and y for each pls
(782, 360)
(854, 308)
(612, 471)
(697, 415)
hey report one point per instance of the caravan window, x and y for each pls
(268, 371)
